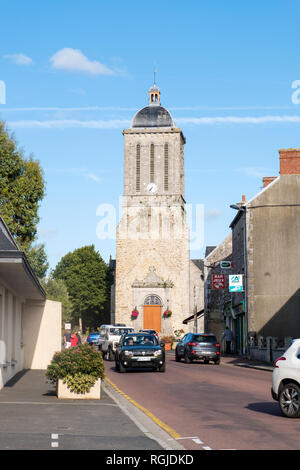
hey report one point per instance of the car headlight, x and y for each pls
(157, 353)
(128, 353)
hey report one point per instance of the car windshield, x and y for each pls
(204, 339)
(119, 331)
(140, 340)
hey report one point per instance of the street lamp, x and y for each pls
(243, 209)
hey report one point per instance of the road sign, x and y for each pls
(225, 264)
(236, 283)
(218, 281)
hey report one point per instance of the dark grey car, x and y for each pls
(198, 346)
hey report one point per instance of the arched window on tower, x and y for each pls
(152, 163)
(166, 167)
(138, 168)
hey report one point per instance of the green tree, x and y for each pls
(86, 276)
(22, 188)
(38, 260)
(56, 289)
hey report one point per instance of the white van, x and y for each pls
(110, 335)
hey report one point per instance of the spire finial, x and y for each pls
(154, 73)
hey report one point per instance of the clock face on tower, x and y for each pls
(152, 188)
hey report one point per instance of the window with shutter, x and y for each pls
(152, 163)
(166, 169)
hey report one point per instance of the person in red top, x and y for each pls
(74, 340)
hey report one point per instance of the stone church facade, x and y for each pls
(152, 269)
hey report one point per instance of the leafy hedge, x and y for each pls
(79, 367)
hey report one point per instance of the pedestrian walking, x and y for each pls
(228, 336)
(79, 337)
(67, 339)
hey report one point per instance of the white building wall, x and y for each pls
(30, 333)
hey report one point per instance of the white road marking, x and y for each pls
(197, 441)
(54, 442)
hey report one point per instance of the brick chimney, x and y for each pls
(243, 201)
(289, 161)
(267, 180)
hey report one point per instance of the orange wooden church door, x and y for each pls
(152, 317)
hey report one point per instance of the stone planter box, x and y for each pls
(168, 346)
(63, 391)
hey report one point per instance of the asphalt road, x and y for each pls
(212, 407)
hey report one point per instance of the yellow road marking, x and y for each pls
(164, 426)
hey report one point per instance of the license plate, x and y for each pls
(143, 358)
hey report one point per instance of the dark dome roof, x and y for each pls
(153, 116)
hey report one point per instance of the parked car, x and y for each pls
(112, 336)
(286, 381)
(145, 351)
(198, 346)
(153, 332)
(93, 337)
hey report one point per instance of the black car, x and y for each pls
(140, 350)
(198, 346)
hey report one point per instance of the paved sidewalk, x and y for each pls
(240, 361)
(33, 418)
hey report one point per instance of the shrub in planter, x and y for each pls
(80, 367)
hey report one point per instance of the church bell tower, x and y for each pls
(152, 256)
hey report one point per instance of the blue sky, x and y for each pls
(76, 73)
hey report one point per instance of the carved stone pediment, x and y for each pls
(152, 280)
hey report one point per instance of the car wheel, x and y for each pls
(217, 361)
(121, 368)
(186, 358)
(289, 400)
(206, 361)
(177, 358)
(162, 368)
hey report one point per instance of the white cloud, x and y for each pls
(82, 172)
(73, 60)
(212, 214)
(123, 123)
(238, 120)
(19, 59)
(69, 124)
(94, 177)
(255, 171)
